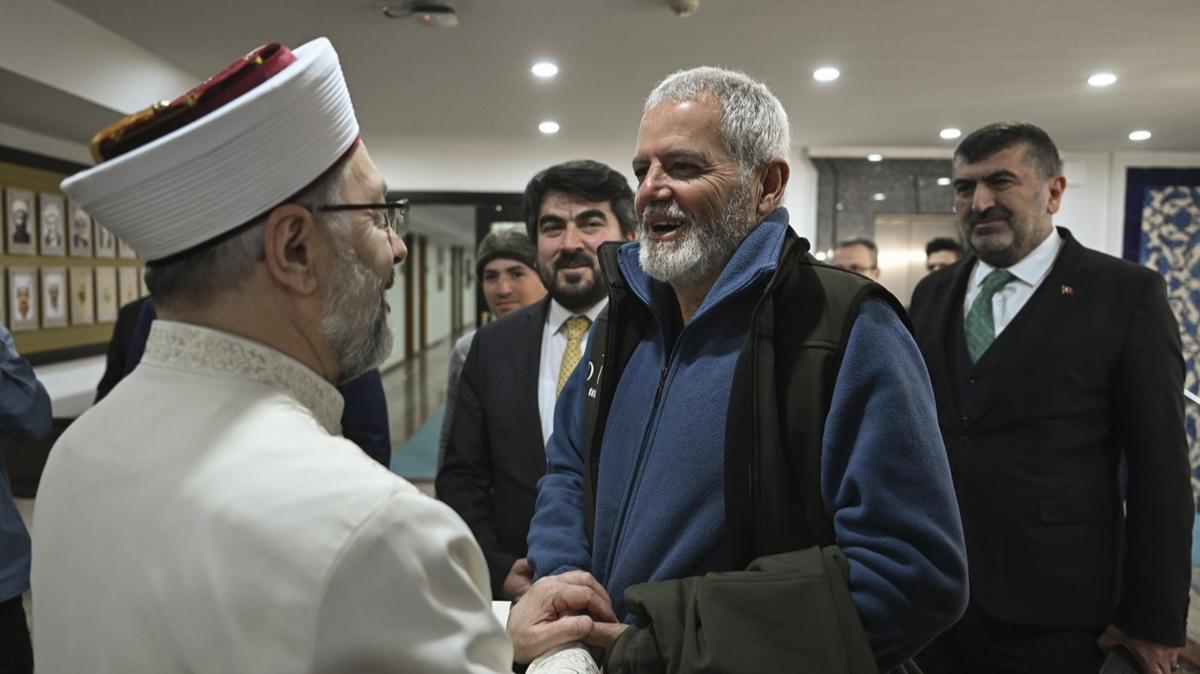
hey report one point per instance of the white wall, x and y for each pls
(437, 304)
(41, 144)
(1094, 203)
(395, 299)
(801, 196)
(468, 289)
(98, 65)
(1085, 208)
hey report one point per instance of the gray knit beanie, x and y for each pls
(510, 244)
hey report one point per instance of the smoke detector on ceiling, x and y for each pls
(431, 14)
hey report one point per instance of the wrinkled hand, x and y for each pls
(1154, 658)
(557, 610)
(518, 580)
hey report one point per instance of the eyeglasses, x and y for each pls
(395, 213)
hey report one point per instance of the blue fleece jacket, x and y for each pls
(660, 503)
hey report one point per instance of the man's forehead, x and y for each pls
(505, 264)
(1010, 158)
(571, 206)
(366, 173)
(681, 122)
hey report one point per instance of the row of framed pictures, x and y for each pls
(54, 297)
(47, 224)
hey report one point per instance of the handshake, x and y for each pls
(557, 610)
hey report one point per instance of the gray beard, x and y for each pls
(355, 324)
(705, 247)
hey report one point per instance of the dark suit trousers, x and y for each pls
(16, 651)
(980, 644)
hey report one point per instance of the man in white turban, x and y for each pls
(207, 516)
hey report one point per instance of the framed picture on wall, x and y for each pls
(23, 298)
(20, 220)
(83, 303)
(106, 242)
(124, 250)
(52, 224)
(127, 285)
(80, 236)
(3, 295)
(106, 294)
(54, 297)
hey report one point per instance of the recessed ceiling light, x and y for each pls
(943, 181)
(1140, 135)
(879, 196)
(545, 69)
(874, 157)
(826, 74)
(548, 127)
(1102, 79)
(950, 133)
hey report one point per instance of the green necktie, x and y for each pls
(979, 326)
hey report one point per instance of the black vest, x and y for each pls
(779, 397)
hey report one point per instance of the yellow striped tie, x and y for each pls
(577, 327)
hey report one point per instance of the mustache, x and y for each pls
(670, 210)
(573, 259)
(991, 213)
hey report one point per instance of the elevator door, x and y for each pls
(901, 238)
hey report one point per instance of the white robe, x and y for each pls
(208, 517)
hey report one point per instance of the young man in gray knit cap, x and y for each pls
(506, 265)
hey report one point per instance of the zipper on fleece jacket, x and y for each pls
(623, 514)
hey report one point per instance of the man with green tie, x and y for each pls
(1053, 365)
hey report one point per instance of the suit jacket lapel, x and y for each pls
(942, 367)
(527, 358)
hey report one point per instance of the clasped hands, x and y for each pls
(560, 609)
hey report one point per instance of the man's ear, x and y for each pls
(290, 248)
(774, 181)
(1058, 185)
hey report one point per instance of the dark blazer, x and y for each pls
(1088, 374)
(495, 454)
(117, 363)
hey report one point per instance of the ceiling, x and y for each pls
(908, 68)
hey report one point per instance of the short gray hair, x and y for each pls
(754, 125)
(200, 277)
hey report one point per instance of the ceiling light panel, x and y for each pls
(544, 69)
(826, 74)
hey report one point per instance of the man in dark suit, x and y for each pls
(495, 453)
(1054, 366)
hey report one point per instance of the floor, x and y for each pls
(414, 390)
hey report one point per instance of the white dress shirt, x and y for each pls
(1030, 271)
(554, 343)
